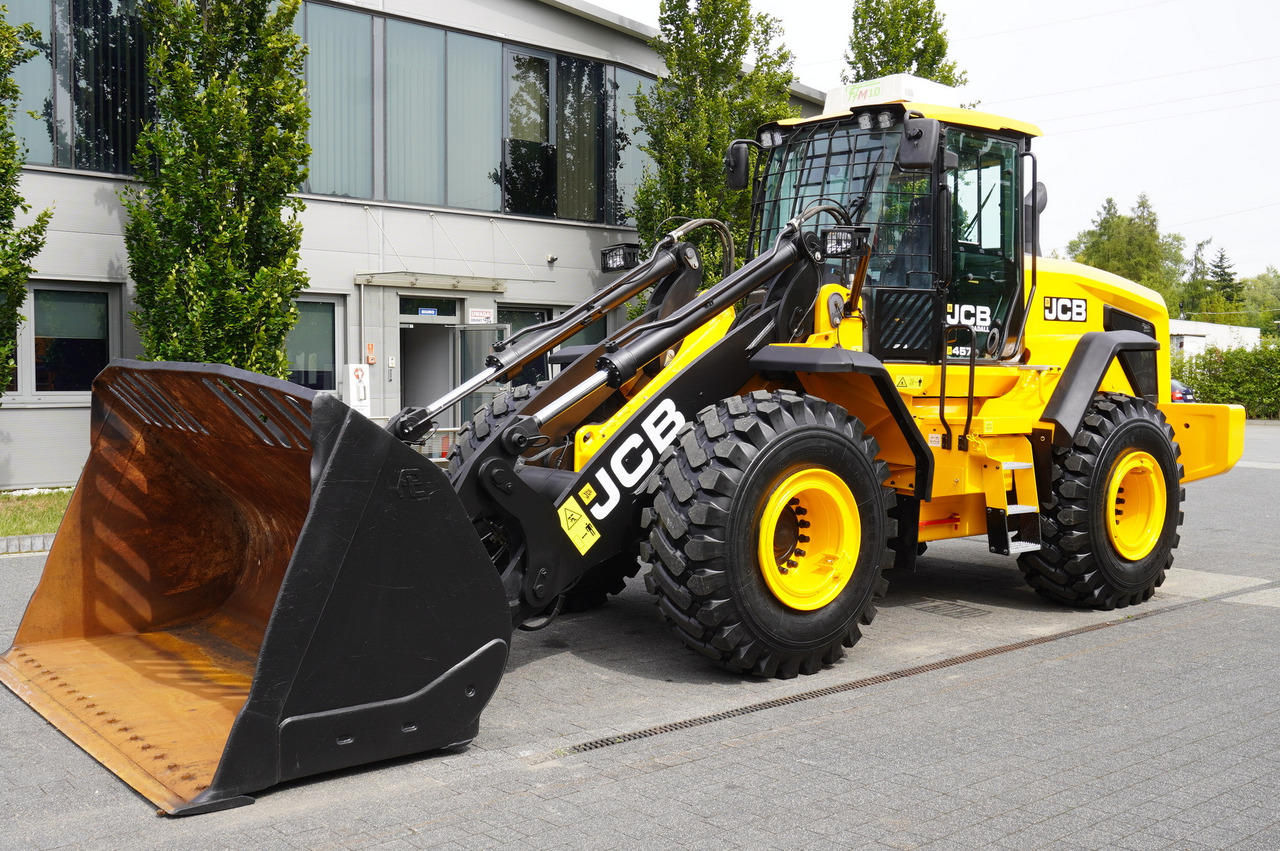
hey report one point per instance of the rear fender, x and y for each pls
(1083, 376)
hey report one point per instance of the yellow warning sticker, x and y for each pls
(587, 493)
(909, 382)
(577, 525)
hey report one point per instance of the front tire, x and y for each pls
(768, 533)
(1112, 526)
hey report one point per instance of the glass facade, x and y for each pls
(628, 139)
(408, 112)
(400, 111)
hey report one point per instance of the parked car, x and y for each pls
(1181, 392)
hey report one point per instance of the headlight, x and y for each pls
(615, 258)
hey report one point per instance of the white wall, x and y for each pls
(1192, 338)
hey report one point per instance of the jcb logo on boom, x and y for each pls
(1066, 309)
(659, 430)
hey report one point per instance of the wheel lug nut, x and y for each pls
(803, 524)
(800, 553)
(804, 539)
(800, 512)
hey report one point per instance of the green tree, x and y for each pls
(1133, 247)
(707, 98)
(1196, 288)
(18, 245)
(213, 232)
(899, 37)
(1221, 271)
(1260, 301)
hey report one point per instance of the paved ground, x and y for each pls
(1157, 727)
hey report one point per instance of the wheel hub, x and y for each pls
(1136, 504)
(809, 538)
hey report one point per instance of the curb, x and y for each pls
(26, 544)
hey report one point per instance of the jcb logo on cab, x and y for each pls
(1066, 309)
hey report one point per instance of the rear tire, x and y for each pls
(1110, 531)
(768, 533)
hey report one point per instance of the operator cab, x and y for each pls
(940, 188)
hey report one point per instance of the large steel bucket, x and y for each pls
(254, 583)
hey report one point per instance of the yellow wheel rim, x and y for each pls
(1136, 504)
(810, 534)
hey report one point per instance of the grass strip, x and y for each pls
(33, 512)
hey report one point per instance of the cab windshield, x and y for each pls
(857, 169)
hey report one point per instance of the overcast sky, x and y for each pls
(1176, 98)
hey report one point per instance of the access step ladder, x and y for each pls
(1013, 512)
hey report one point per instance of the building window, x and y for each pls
(33, 117)
(70, 335)
(629, 139)
(529, 168)
(340, 88)
(428, 306)
(580, 125)
(415, 113)
(312, 347)
(71, 339)
(474, 131)
(519, 318)
(87, 85)
(555, 121)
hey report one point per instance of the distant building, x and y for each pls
(1192, 338)
(470, 162)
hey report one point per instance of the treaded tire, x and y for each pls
(476, 431)
(712, 486)
(603, 581)
(598, 584)
(1080, 563)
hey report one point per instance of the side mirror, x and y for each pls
(737, 165)
(920, 137)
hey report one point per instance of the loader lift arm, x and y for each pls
(669, 257)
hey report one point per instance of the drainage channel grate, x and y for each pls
(881, 679)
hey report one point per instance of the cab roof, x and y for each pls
(946, 114)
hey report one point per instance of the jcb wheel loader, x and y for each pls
(254, 583)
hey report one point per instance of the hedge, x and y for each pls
(1249, 377)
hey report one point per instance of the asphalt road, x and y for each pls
(972, 714)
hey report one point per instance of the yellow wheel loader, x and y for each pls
(254, 583)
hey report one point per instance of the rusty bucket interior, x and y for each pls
(146, 632)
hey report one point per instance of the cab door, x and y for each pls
(986, 283)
